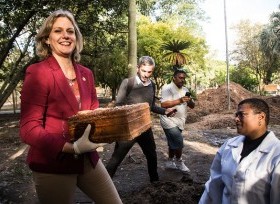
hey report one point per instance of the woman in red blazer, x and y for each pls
(54, 89)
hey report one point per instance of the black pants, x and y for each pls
(147, 143)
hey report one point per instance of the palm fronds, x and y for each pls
(173, 52)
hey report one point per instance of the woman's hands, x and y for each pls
(83, 144)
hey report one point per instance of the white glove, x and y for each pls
(83, 144)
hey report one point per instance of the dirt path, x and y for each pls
(206, 131)
(16, 184)
(131, 178)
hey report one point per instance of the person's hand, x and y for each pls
(83, 144)
(185, 99)
(170, 112)
(188, 101)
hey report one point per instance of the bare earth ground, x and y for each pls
(209, 125)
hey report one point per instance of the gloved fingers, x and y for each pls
(76, 148)
(87, 130)
(101, 144)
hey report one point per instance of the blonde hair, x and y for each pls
(43, 50)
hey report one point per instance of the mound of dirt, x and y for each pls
(274, 106)
(216, 100)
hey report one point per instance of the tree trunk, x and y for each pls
(132, 38)
(10, 88)
(9, 46)
(16, 73)
(12, 82)
(114, 92)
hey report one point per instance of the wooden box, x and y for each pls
(111, 124)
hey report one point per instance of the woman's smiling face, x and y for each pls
(62, 38)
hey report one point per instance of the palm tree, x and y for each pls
(173, 52)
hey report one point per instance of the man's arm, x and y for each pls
(158, 109)
(179, 101)
(120, 100)
(171, 103)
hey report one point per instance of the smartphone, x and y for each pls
(171, 112)
(188, 94)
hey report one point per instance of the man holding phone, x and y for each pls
(175, 95)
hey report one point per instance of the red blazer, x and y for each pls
(46, 102)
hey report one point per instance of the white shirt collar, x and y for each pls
(175, 86)
(138, 81)
(181, 91)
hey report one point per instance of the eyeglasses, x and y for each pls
(242, 115)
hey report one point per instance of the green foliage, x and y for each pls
(103, 24)
(111, 69)
(257, 50)
(275, 27)
(173, 52)
(220, 78)
(269, 44)
(152, 36)
(184, 13)
(213, 75)
(193, 93)
(20, 20)
(245, 78)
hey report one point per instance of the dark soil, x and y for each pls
(209, 125)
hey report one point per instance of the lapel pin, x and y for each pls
(84, 79)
